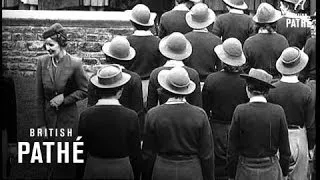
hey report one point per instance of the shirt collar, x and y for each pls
(290, 79)
(290, 15)
(201, 30)
(264, 31)
(176, 101)
(173, 63)
(258, 99)
(142, 33)
(181, 7)
(236, 11)
(108, 102)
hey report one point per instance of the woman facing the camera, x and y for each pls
(60, 83)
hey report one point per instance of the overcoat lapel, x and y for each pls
(49, 67)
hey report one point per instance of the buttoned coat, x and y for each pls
(69, 80)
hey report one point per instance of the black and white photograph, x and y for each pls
(159, 89)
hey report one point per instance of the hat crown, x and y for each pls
(265, 12)
(120, 47)
(56, 28)
(291, 55)
(260, 75)
(199, 12)
(236, 2)
(109, 74)
(177, 42)
(232, 47)
(141, 13)
(178, 77)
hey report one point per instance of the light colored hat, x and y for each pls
(266, 13)
(200, 16)
(175, 46)
(140, 14)
(119, 48)
(110, 76)
(176, 80)
(258, 76)
(230, 52)
(238, 4)
(291, 61)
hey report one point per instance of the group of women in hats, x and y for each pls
(179, 108)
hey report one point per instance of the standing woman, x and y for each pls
(178, 141)
(263, 49)
(60, 83)
(258, 131)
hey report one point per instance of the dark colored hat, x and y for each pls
(56, 28)
(292, 61)
(258, 76)
(176, 80)
(266, 13)
(238, 4)
(110, 76)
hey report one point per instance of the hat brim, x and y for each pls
(163, 48)
(200, 25)
(244, 6)
(106, 50)
(277, 16)
(149, 23)
(255, 80)
(162, 79)
(295, 69)
(125, 78)
(230, 60)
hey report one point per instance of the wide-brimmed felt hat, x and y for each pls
(238, 4)
(175, 46)
(258, 76)
(140, 14)
(54, 29)
(119, 48)
(110, 76)
(176, 80)
(266, 13)
(230, 52)
(292, 61)
(200, 16)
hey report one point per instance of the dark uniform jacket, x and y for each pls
(234, 25)
(295, 29)
(174, 21)
(178, 129)
(298, 104)
(258, 130)
(147, 57)
(203, 59)
(263, 50)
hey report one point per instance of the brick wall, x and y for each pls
(87, 32)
